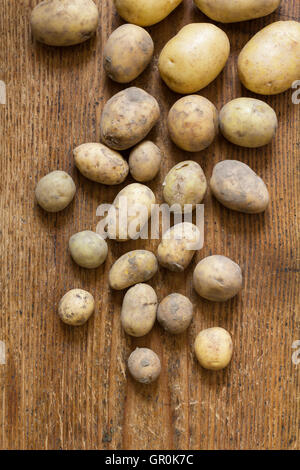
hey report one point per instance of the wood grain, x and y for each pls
(67, 388)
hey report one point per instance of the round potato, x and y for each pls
(76, 307)
(145, 12)
(132, 268)
(194, 57)
(238, 187)
(175, 313)
(144, 161)
(232, 11)
(127, 53)
(55, 191)
(139, 310)
(269, 63)
(64, 22)
(213, 348)
(128, 117)
(248, 122)
(217, 278)
(144, 365)
(88, 249)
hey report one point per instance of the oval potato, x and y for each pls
(232, 11)
(175, 313)
(144, 365)
(88, 249)
(76, 307)
(144, 161)
(55, 191)
(145, 12)
(138, 312)
(132, 268)
(213, 348)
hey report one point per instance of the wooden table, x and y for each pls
(67, 388)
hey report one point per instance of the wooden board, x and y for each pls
(67, 388)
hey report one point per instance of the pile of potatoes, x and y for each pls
(268, 64)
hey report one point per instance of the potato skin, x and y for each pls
(194, 57)
(213, 348)
(55, 191)
(238, 187)
(145, 12)
(193, 123)
(144, 365)
(233, 11)
(132, 268)
(144, 161)
(248, 122)
(269, 63)
(138, 312)
(128, 51)
(64, 22)
(101, 164)
(76, 307)
(175, 313)
(128, 117)
(88, 249)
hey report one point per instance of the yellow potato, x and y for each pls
(144, 365)
(132, 268)
(213, 348)
(138, 312)
(232, 11)
(88, 249)
(144, 161)
(175, 313)
(145, 12)
(76, 307)
(55, 191)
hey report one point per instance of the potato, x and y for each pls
(76, 307)
(175, 313)
(193, 123)
(101, 164)
(185, 184)
(217, 278)
(144, 161)
(128, 117)
(55, 191)
(213, 348)
(178, 246)
(232, 11)
(248, 122)
(194, 57)
(64, 22)
(132, 268)
(238, 187)
(88, 249)
(144, 365)
(145, 12)
(269, 63)
(138, 312)
(128, 51)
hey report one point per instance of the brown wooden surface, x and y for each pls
(68, 388)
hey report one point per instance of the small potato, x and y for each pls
(76, 307)
(213, 348)
(217, 278)
(132, 268)
(139, 310)
(145, 12)
(127, 53)
(248, 122)
(144, 365)
(232, 11)
(88, 249)
(64, 22)
(238, 187)
(55, 191)
(144, 161)
(175, 313)
(128, 117)
(193, 123)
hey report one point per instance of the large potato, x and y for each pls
(55, 191)
(232, 11)
(238, 187)
(64, 22)
(194, 57)
(133, 267)
(145, 12)
(138, 312)
(213, 348)
(270, 62)
(127, 53)
(128, 117)
(76, 307)
(88, 249)
(175, 313)
(144, 365)
(144, 161)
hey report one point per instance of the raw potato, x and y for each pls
(132, 268)
(213, 348)
(175, 313)
(64, 22)
(194, 57)
(128, 117)
(144, 365)
(88, 249)
(127, 53)
(238, 187)
(55, 191)
(101, 164)
(144, 161)
(145, 12)
(138, 312)
(217, 278)
(232, 11)
(248, 122)
(76, 307)
(193, 123)
(270, 62)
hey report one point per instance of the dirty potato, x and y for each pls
(55, 191)
(175, 313)
(232, 11)
(76, 307)
(213, 348)
(88, 249)
(138, 312)
(144, 365)
(132, 268)
(145, 12)
(144, 161)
